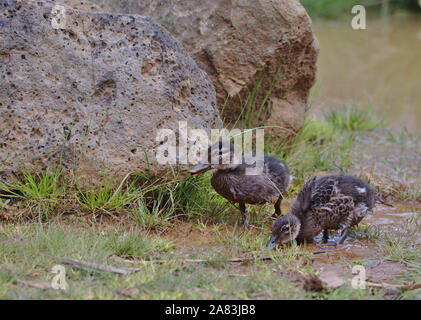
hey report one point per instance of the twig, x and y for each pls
(264, 258)
(233, 260)
(414, 286)
(406, 286)
(96, 267)
(238, 275)
(318, 252)
(38, 285)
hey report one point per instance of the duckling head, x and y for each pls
(221, 156)
(285, 229)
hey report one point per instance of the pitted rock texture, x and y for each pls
(93, 94)
(80, 5)
(237, 42)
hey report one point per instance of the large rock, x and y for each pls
(237, 42)
(93, 93)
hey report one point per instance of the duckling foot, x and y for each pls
(344, 235)
(327, 245)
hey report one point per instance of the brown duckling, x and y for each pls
(335, 202)
(233, 183)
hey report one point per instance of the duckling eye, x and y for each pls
(286, 229)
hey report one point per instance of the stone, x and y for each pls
(89, 91)
(238, 42)
(331, 279)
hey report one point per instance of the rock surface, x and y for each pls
(237, 42)
(92, 94)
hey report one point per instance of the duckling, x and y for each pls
(231, 181)
(335, 202)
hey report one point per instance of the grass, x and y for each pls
(400, 248)
(41, 192)
(155, 218)
(26, 266)
(29, 251)
(135, 244)
(366, 232)
(352, 119)
(332, 9)
(414, 275)
(328, 9)
(253, 109)
(107, 199)
(316, 147)
(151, 202)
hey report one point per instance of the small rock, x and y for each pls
(391, 293)
(331, 279)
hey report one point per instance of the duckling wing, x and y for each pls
(323, 192)
(303, 202)
(278, 173)
(335, 214)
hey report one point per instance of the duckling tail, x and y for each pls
(378, 200)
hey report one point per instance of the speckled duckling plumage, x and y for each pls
(333, 202)
(233, 183)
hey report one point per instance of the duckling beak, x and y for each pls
(199, 168)
(272, 243)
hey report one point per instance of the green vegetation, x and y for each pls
(400, 248)
(40, 192)
(107, 199)
(323, 145)
(352, 119)
(254, 111)
(414, 275)
(333, 9)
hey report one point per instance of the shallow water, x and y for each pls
(379, 66)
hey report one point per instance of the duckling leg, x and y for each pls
(278, 211)
(325, 236)
(344, 235)
(243, 214)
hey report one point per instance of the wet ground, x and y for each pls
(390, 156)
(367, 246)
